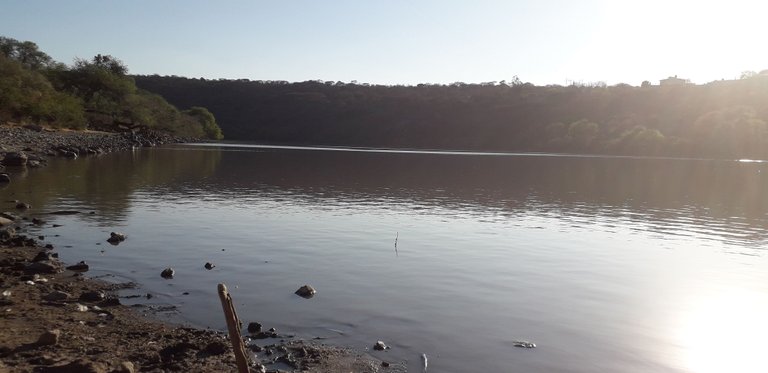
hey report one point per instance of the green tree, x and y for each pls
(207, 121)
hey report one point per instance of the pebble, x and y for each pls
(209, 266)
(380, 346)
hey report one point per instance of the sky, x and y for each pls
(405, 42)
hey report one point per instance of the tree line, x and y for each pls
(720, 119)
(96, 93)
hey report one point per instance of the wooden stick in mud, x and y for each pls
(233, 324)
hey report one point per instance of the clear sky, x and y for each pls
(405, 42)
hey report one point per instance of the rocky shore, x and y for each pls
(53, 318)
(31, 145)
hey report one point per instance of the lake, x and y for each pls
(607, 264)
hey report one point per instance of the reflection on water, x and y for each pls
(607, 264)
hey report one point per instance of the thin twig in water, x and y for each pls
(396, 237)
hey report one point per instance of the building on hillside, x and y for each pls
(674, 80)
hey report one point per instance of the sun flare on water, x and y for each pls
(727, 332)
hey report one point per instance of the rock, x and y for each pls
(115, 238)
(110, 302)
(23, 206)
(385, 364)
(306, 292)
(43, 256)
(7, 233)
(93, 296)
(254, 327)
(68, 154)
(49, 338)
(44, 266)
(37, 221)
(5, 221)
(5, 178)
(34, 164)
(15, 159)
(380, 346)
(167, 273)
(209, 266)
(56, 296)
(79, 267)
(258, 368)
(125, 367)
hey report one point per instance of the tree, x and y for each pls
(207, 121)
(25, 52)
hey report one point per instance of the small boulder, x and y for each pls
(306, 291)
(380, 346)
(44, 266)
(56, 296)
(42, 256)
(115, 238)
(93, 296)
(254, 327)
(5, 221)
(167, 273)
(5, 178)
(23, 206)
(79, 267)
(49, 338)
(209, 266)
(15, 159)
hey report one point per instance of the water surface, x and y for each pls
(607, 264)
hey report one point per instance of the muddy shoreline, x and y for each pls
(57, 320)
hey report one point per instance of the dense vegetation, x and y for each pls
(720, 119)
(94, 93)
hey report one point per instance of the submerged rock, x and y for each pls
(306, 291)
(23, 206)
(167, 273)
(115, 238)
(79, 267)
(15, 159)
(380, 346)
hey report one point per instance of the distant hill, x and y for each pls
(721, 119)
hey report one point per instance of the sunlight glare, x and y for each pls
(726, 333)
